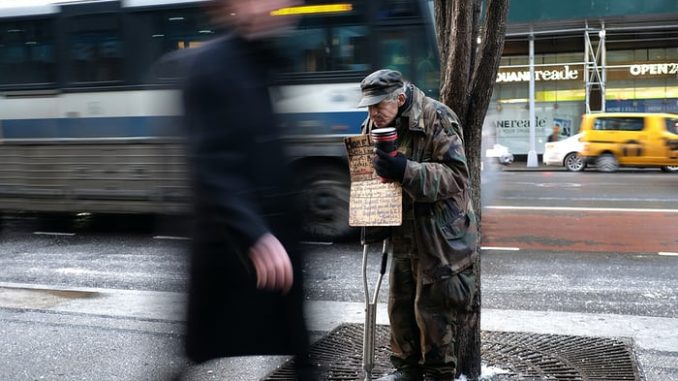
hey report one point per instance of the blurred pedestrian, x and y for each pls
(245, 294)
(431, 277)
(555, 133)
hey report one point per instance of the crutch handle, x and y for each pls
(384, 256)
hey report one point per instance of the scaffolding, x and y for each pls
(595, 74)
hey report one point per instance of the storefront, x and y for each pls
(636, 61)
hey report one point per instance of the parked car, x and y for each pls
(499, 153)
(612, 140)
(566, 153)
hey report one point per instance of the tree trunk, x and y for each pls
(456, 70)
(468, 76)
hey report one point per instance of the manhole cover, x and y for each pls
(524, 357)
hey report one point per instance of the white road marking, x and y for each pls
(668, 254)
(317, 243)
(499, 248)
(582, 209)
(170, 237)
(54, 233)
(89, 273)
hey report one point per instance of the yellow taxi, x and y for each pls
(612, 140)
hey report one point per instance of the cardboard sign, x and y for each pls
(372, 203)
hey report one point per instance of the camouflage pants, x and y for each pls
(424, 317)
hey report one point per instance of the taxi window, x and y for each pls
(672, 125)
(619, 124)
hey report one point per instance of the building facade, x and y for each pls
(610, 55)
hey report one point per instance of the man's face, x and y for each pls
(384, 112)
(252, 18)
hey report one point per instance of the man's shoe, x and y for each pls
(405, 374)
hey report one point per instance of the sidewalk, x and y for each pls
(655, 338)
(521, 166)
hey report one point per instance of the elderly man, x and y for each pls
(431, 276)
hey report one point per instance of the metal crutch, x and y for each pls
(369, 331)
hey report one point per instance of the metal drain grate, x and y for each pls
(526, 357)
(557, 357)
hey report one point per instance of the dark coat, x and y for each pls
(241, 191)
(435, 188)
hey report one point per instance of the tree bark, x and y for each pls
(443, 20)
(468, 75)
(456, 72)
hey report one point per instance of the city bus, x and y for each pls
(89, 122)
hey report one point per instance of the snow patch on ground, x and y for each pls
(486, 373)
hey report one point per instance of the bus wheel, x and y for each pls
(670, 168)
(607, 163)
(323, 199)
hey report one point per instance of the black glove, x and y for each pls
(388, 167)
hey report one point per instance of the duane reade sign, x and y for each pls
(564, 74)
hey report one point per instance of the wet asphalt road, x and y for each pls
(144, 253)
(634, 284)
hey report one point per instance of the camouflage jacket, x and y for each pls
(436, 190)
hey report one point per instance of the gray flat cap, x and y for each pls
(378, 85)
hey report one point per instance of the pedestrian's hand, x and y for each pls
(390, 167)
(272, 264)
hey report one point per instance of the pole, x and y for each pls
(532, 153)
(603, 62)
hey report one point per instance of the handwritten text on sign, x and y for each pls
(372, 203)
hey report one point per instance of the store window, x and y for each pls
(642, 80)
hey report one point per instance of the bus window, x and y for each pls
(164, 31)
(306, 51)
(95, 49)
(159, 32)
(350, 48)
(411, 53)
(389, 9)
(327, 42)
(27, 53)
(426, 66)
(394, 52)
(313, 50)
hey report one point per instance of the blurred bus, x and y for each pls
(89, 122)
